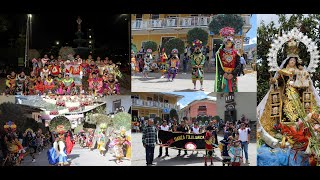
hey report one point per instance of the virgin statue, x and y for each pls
(293, 128)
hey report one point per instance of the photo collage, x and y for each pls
(159, 90)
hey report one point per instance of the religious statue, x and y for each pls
(297, 98)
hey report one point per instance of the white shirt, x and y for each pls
(164, 128)
(195, 130)
(243, 134)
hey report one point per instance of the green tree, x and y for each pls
(308, 25)
(151, 45)
(197, 33)
(134, 48)
(220, 21)
(173, 114)
(122, 120)
(59, 120)
(175, 43)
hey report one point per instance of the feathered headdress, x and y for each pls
(197, 43)
(10, 125)
(227, 33)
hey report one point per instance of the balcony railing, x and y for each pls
(172, 22)
(155, 104)
(178, 22)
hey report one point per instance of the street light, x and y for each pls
(57, 42)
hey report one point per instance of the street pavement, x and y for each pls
(248, 82)
(182, 82)
(192, 159)
(79, 157)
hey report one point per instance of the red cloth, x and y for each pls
(69, 144)
(228, 63)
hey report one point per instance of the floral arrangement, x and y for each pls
(54, 112)
(10, 125)
(71, 109)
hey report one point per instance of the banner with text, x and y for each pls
(182, 140)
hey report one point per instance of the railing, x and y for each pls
(156, 104)
(172, 22)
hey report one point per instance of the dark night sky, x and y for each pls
(109, 30)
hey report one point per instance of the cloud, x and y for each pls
(212, 98)
(253, 40)
(181, 105)
(267, 19)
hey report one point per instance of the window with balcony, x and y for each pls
(155, 16)
(202, 108)
(139, 17)
(149, 99)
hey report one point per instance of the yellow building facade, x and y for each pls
(162, 27)
(154, 104)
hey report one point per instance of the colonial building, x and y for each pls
(162, 27)
(231, 106)
(154, 104)
(203, 107)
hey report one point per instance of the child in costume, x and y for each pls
(209, 139)
(235, 152)
(173, 64)
(227, 63)
(68, 84)
(59, 84)
(55, 69)
(39, 86)
(197, 62)
(111, 85)
(95, 83)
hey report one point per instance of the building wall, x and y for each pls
(246, 103)
(142, 112)
(126, 102)
(144, 96)
(4, 99)
(211, 108)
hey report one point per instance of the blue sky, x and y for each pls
(253, 31)
(190, 96)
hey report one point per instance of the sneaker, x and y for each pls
(33, 160)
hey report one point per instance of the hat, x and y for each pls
(197, 43)
(174, 51)
(227, 33)
(61, 129)
(292, 49)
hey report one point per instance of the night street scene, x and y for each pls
(64, 54)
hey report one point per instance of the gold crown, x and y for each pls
(292, 49)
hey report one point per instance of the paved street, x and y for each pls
(192, 159)
(182, 82)
(248, 82)
(79, 157)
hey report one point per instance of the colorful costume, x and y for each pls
(21, 84)
(30, 85)
(173, 64)
(11, 84)
(147, 62)
(68, 84)
(49, 84)
(95, 84)
(209, 139)
(111, 86)
(197, 62)
(55, 70)
(39, 87)
(235, 152)
(76, 74)
(44, 73)
(69, 142)
(163, 63)
(58, 154)
(227, 63)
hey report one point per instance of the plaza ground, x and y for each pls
(246, 83)
(192, 159)
(78, 157)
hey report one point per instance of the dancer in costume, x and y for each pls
(76, 74)
(173, 64)
(93, 68)
(11, 83)
(68, 84)
(95, 83)
(90, 140)
(55, 69)
(288, 113)
(147, 63)
(49, 84)
(39, 86)
(227, 63)
(209, 139)
(101, 66)
(101, 142)
(60, 146)
(197, 62)
(111, 86)
(58, 81)
(30, 142)
(163, 63)
(134, 64)
(45, 72)
(21, 83)
(31, 81)
(69, 142)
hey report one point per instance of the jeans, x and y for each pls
(184, 67)
(149, 154)
(244, 147)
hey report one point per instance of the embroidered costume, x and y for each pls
(197, 62)
(173, 64)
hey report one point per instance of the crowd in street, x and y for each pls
(65, 77)
(236, 137)
(118, 144)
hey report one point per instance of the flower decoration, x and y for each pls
(197, 43)
(227, 33)
(10, 125)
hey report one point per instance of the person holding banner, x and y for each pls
(185, 129)
(164, 127)
(149, 140)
